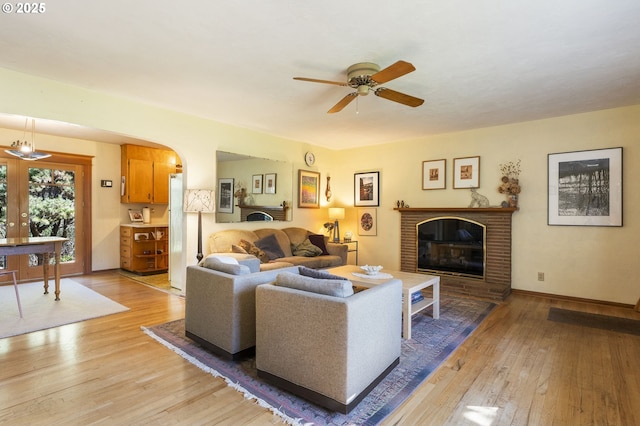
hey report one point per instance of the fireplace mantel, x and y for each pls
(497, 282)
(456, 209)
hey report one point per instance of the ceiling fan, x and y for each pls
(366, 76)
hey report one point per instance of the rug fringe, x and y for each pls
(247, 395)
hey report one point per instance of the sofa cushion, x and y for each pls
(306, 248)
(250, 248)
(225, 264)
(316, 262)
(336, 288)
(319, 241)
(270, 246)
(314, 273)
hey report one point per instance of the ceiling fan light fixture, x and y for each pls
(24, 149)
(364, 77)
(363, 90)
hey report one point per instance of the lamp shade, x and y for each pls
(336, 213)
(199, 200)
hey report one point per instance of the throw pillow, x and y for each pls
(220, 258)
(314, 273)
(270, 246)
(237, 249)
(306, 249)
(251, 249)
(217, 264)
(318, 241)
(337, 288)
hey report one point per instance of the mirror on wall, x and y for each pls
(252, 189)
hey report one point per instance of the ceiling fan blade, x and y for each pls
(343, 103)
(392, 95)
(396, 70)
(315, 80)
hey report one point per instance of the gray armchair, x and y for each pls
(220, 309)
(330, 350)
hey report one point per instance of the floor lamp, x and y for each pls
(200, 201)
(336, 213)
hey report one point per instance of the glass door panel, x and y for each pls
(53, 205)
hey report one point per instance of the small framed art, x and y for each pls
(367, 189)
(367, 221)
(225, 195)
(434, 174)
(585, 188)
(308, 189)
(270, 183)
(256, 184)
(135, 215)
(466, 172)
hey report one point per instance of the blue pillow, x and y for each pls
(336, 288)
(313, 273)
(270, 246)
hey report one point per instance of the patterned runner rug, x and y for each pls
(431, 343)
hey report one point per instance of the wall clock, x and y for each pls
(309, 158)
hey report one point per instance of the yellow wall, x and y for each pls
(587, 262)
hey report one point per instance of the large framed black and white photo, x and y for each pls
(366, 189)
(225, 195)
(585, 188)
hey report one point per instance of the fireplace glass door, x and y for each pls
(450, 245)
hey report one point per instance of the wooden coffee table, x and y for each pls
(411, 283)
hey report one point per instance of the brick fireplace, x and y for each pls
(496, 284)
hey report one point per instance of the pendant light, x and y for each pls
(24, 149)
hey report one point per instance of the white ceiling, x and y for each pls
(479, 62)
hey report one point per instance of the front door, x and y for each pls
(42, 199)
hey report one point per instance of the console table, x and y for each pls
(35, 245)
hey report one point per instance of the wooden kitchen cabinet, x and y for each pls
(145, 174)
(144, 248)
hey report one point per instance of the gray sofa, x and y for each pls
(227, 241)
(220, 312)
(328, 349)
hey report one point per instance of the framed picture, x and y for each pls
(434, 174)
(256, 184)
(270, 183)
(367, 189)
(367, 221)
(308, 189)
(135, 215)
(225, 195)
(585, 188)
(466, 172)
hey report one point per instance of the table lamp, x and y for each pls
(199, 200)
(336, 213)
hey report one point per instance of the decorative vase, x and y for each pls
(513, 200)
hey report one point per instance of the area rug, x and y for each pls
(41, 311)
(603, 322)
(431, 343)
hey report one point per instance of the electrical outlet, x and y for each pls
(540, 276)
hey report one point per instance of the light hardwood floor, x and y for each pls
(516, 369)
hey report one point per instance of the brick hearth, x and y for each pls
(497, 282)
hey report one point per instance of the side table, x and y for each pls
(351, 249)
